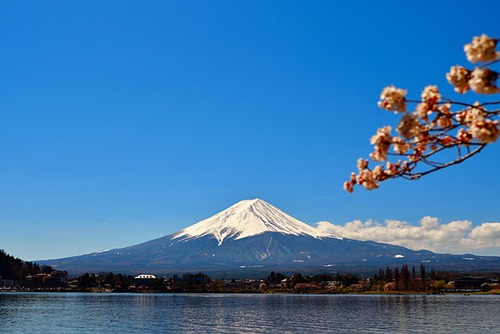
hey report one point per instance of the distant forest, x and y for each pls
(16, 269)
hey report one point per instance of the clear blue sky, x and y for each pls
(123, 121)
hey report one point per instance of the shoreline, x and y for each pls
(374, 293)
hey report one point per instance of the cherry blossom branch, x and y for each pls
(433, 128)
(417, 176)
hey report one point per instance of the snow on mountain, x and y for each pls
(248, 218)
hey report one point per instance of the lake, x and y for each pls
(247, 313)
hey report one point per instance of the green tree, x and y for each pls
(405, 277)
(17, 269)
(423, 277)
(397, 278)
(349, 279)
(86, 281)
(322, 278)
(388, 274)
(274, 278)
(297, 278)
(413, 277)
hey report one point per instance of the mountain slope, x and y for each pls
(253, 237)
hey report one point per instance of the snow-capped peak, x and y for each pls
(247, 218)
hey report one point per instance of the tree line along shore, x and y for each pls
(18, 275)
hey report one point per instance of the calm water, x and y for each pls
(234, 313)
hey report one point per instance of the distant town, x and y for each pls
(18, 275)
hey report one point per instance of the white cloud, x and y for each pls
(456, 237)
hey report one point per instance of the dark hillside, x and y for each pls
(12, 268)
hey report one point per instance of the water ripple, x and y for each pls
(232, 313)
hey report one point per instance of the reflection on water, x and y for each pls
(234, 313)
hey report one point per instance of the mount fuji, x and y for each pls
(246, 219)
(252, 238)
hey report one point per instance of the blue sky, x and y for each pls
(123, 121)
